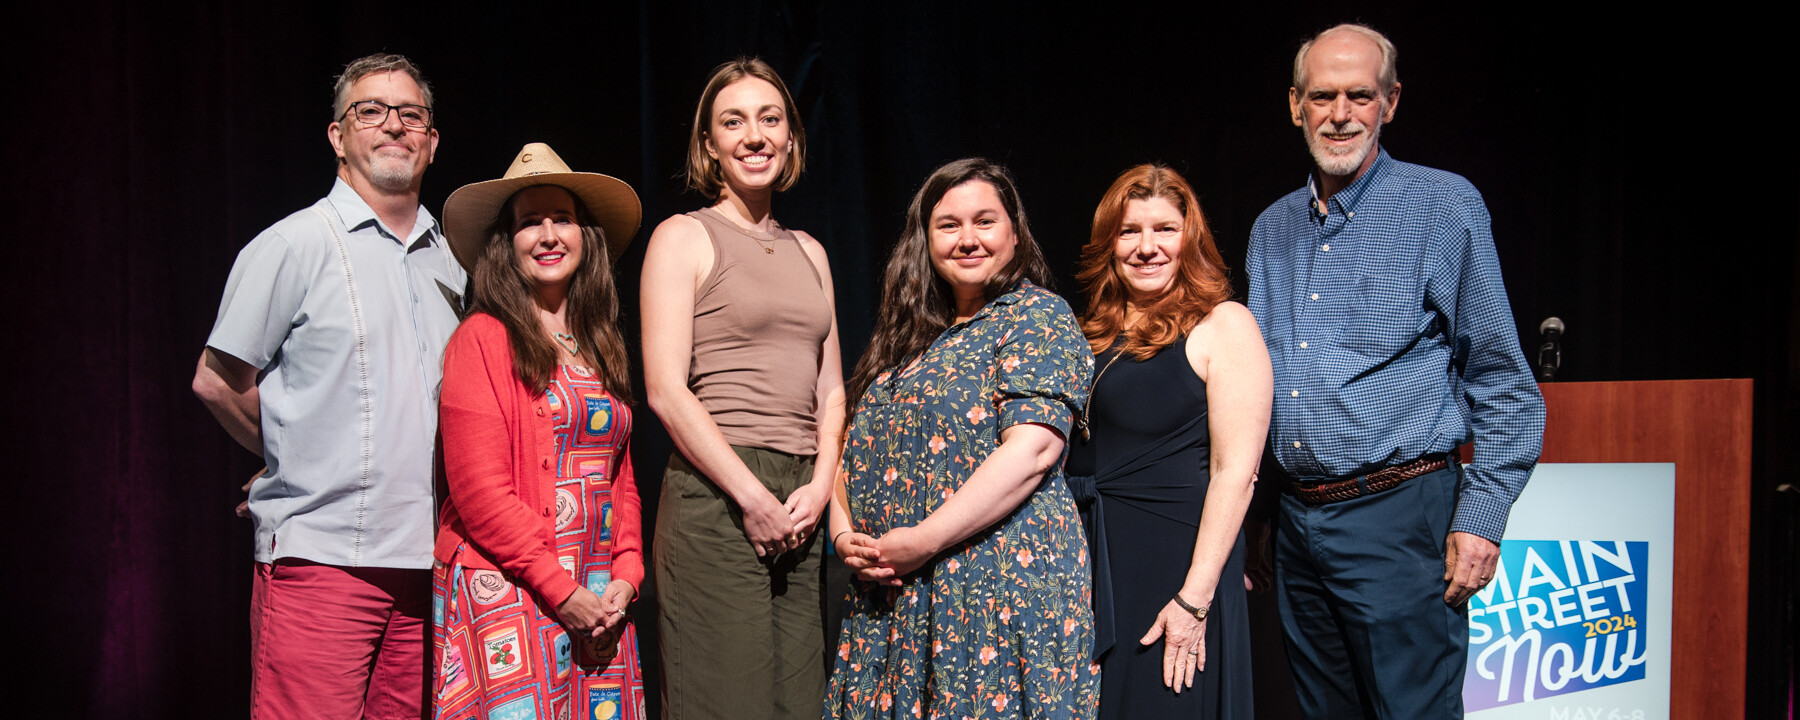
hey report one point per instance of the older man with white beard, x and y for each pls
(1379, 295)
(325, 360)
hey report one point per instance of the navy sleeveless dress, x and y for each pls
(1141, 483)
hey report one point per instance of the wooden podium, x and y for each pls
(1703, 427)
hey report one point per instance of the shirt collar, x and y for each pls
(1010, 297)
(1347, 198)
(356, 213)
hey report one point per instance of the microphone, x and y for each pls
(1549, 358)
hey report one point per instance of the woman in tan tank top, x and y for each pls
(741, 363)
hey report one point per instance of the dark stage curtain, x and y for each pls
(146, 143)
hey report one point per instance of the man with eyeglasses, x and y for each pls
(325, 360)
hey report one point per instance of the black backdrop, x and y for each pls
(146, 144)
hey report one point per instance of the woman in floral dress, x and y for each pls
(950, 507)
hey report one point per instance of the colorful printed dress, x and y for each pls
(504, 656)
(999, 626)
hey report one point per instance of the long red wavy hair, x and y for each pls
(1200, 282)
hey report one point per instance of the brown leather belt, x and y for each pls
(1379, 481)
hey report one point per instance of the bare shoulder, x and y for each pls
(679, 233)
(1230, 320)
(1229, 331)
(814, 249)
(679, 249)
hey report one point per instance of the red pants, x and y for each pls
(335, 642)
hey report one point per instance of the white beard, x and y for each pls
(1346, 160)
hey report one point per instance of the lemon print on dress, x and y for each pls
(599, 414)
(605, 701)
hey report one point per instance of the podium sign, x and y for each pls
(1689, 621)
(1576, 623)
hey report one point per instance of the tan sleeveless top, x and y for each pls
(759, 320)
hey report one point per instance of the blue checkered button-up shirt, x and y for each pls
(1391, 337)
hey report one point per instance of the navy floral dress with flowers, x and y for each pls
(1000, 625)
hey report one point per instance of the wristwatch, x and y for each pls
(1198, 612)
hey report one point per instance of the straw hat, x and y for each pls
(472, 208)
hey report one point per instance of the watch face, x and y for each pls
(1199, 613)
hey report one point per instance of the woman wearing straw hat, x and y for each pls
(539, 546)
(741, 363)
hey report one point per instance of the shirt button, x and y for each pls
(1350, 214)
(1302, 344)
(546, 463)
(1315, 296)
(540, 412)
(1296, 443)
(1326, 248)
(1294, 393)
(546, 512)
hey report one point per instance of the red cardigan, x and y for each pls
(499, 462)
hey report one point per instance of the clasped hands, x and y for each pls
(774, 527)
(585, 613)
(886, 559)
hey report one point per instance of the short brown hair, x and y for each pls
(702, 169)
(378, 63)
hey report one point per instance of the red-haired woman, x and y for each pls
(1175, 428)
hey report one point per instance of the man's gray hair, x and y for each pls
(378, 63)
(1390, 75)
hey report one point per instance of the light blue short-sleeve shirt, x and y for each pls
(349, 331)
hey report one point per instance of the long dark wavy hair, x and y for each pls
(916, 304)
(1199, 285)
(501, 290)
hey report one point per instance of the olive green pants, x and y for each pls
(742, 636)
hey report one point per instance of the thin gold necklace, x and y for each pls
(768, 246)
(1081, 423)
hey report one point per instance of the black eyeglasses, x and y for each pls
(375, 112)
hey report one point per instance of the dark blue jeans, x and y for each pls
(1361, 593)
